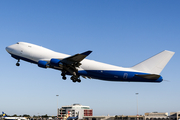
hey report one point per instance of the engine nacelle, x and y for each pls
(55, 62)
(42, 64)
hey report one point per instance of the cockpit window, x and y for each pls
(17, 42)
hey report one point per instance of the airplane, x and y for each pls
(12, 118)
(76, 65)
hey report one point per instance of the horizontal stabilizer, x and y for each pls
(149, 76)
(155, 64)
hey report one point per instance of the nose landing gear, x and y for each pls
(18, 64)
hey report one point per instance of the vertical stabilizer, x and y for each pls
(155, 64)
(3, 115)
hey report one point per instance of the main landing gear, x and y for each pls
(63, 76)
(18, 64)
(75, 79)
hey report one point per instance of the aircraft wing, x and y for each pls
(75, 59)
(66, 65)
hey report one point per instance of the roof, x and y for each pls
(76, 105)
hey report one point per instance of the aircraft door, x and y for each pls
(125, 76)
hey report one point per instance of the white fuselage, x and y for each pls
(36, 53)
(15, 118)
(90, 68)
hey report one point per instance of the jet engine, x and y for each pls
(42, 64)
(55, 62)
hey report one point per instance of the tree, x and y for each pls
(45, 116)
(14, 115)
(25, 115)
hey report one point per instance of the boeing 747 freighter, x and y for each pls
(76, 65)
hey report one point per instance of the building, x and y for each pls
(117, 117)
(156, 116)
(146, 116)
(73, 110)
(174, 115)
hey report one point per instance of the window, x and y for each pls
(84, 107)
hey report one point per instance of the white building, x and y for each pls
(73, 110)
(156, 115)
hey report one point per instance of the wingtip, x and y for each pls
(87, 53)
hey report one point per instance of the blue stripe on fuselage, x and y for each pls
(110, 75)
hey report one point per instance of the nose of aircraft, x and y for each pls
(9, 49)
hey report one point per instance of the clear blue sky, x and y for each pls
(119, 32)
